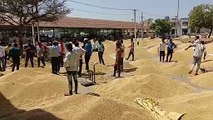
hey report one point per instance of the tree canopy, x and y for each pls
(161, 27)
(201, 16)
(23, 13)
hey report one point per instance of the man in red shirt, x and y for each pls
(118, 61)
(62, 47)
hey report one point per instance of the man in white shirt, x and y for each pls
(71, 61)
(2, 58)
(161, 50)
(54, 53)
(80, 52)
(197, 55)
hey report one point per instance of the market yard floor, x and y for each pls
(34, 93)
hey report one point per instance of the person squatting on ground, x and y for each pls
(54, 53)
(198, 53)
(30, 53)
(15, 54)
(161, 50)
(88, 48)
(2, 59)
(101, 50)
(132, 49)
(40, 54)
(71, 61)
(80, 52)
(118, 61)
(170, 50)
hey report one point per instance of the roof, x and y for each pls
(71, 22)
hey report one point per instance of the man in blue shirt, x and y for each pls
(171, 45)
(88, 48)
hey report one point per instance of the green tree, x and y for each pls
(23, 13)
(201, 16)
(161, 27)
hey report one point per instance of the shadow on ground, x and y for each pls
(128, 70)
(9, 112)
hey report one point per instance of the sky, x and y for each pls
(151, 8)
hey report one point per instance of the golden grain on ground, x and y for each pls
(34, 93)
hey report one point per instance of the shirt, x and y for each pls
(15, 53)
(2, 51)
(40, 51)
(123, 53)
(7, 49)
(195, 43)
(62, 46)
(95, 46)
(199, 50)
(162, 46)
(79, 51)
(100, 47)
(88, 48)
(54, 51)
(132, 47)
(171, 45)
(30, 49)
(71, 61)
(118, 55)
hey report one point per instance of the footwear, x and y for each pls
(67, 94)
(196, 74)
(190, 72)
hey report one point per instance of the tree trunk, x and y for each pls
(20, 32)
(210, 32)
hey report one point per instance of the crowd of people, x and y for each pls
(70, 55)
(60, 54)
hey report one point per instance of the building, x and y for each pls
(75, 27)
(182, 26)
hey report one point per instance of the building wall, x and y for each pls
(182, 27)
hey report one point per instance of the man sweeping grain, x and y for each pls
(198, 53)
(132, 49)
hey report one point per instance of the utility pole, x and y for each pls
(135, 30)
(142, 26)
(38, 30)
(33, 30)
(177, 19)
(33, 34)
